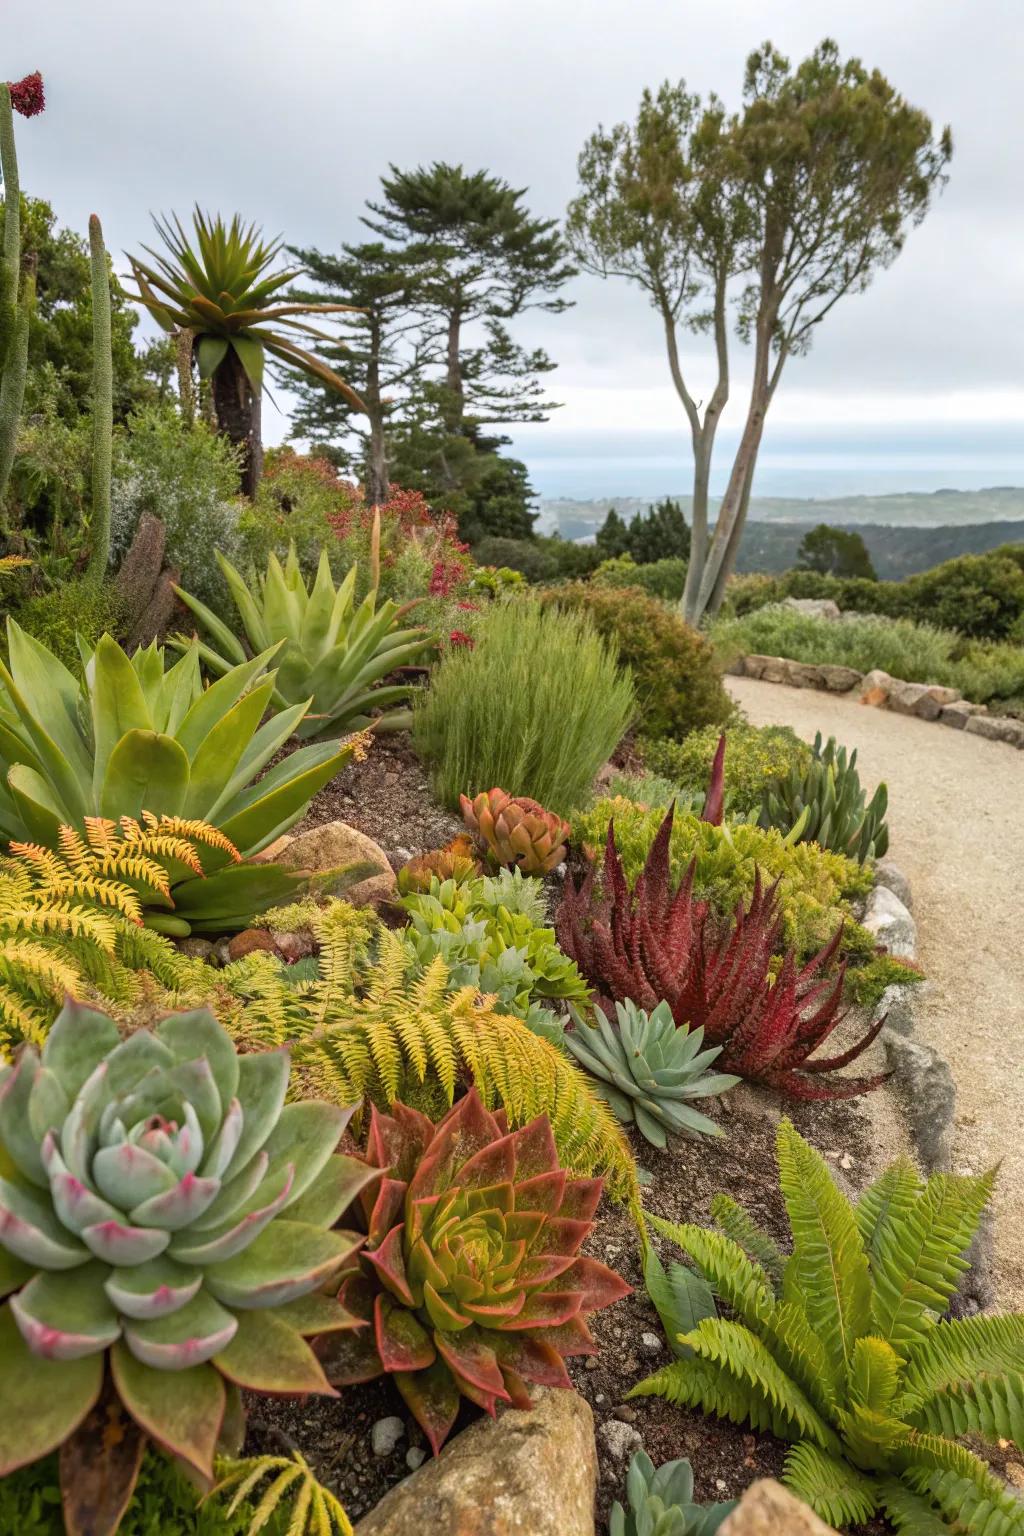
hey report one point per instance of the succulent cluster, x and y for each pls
(647, 1069)
(130, 736)
(456, 861)
(825, 803)
(471, 1274)
(661, 1503)
(653, 942)
(331, 652)
(515, 831)
(161, 1207)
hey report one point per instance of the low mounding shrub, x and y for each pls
(676, 673)
(755, 756)
(539, 559)
(59, 616)
(815, 887)
(536, 705)
(985, 671)
(661, 578)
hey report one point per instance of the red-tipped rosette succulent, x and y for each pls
(516, 831)
(472, 1274)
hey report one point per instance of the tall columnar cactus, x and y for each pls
(17, 298)
(102, 405)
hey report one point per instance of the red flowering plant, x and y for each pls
(472, 1277)
(27, 95)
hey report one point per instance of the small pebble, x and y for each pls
(720, 1485)
(415, 1456)
(625, 1413)
(591, 1363)
(650, 1343)
(385, 1435)
(619, 1440)
(846, 1161)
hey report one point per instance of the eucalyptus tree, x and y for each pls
(785, 206)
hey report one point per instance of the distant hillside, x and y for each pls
(937, 510)
(895, 552)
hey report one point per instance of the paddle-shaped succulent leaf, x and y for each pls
(331, 650)
(472, 1274)
(161, 1207)
(647, 1069)
(516, 831)
(661, 1503)
(825, 803)
(129, 736)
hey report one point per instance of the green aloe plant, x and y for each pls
(825, 803)
(332, 650)
(840, 1347)
(129, 737)
(165, 1218)
(646, 1069)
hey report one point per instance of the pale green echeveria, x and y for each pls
(131, 735)
(161, 1206)
(661, 1503)
(335, 651)
(646, 1069)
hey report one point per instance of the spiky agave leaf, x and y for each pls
(471, 1272)
(655, 942)
(160, 1204)
(851, 1362)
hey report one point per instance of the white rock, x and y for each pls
(890, 922)
(415, 1456)
(619, 1440)
(385, 1435)
(651, 1343)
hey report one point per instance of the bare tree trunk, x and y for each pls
(453, 371)
(702, 436)
(732, 548)
(239, 418)
(377, 465)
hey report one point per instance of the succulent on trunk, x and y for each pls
(653, 943)
(164, 1212)
(647, 1069)
(471, 1275)
(515, 831)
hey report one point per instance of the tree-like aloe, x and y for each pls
(216, 292)
(166, 1223)
(840, 1348)
(332, 650)
(130, 736)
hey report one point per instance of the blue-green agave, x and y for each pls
(165, 1213)
(661, 1503)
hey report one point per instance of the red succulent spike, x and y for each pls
(472, 1275)
(657, 942)
(27, 95)
(714, 803)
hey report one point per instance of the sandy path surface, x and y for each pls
(956, 821)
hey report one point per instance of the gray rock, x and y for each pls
(913, 699)
(926, 1086)
(385, 1435)
(619, 1440)
(897, 1004)
(977, 1289)
(892, 877)
(801, 674)
(774, 669)
(997, 728)
(957, 715)
(738, 668)
(754, 664)
(892, 925)
(876, 678)
(840, 679)
(197, 948)
(415, 1456)
(813, 607)
(650, 1343)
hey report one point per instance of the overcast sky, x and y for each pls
(289, 112)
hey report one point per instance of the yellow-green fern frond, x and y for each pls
(960, 1350)
(738, 1224)
(960, 1483)
(834, 1490)
(294, 1489)
(885, 1203)
(185, 828)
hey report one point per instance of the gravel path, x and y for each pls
(956, 820)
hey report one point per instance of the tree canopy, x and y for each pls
(834, 552)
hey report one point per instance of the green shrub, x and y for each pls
(535, 706)
(754, 756)
(868, 983)
(661, 578)
(816, 887)
(528, 556)
(56, 617)
(675, 671)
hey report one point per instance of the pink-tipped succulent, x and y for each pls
(162, 1209)
(456, 861)
(516, 831)
(471, 1274)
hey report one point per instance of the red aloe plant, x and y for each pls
(472, 1276)
(654, 943)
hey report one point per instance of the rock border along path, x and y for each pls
(956, 819)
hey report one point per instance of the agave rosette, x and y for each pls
(163, 1209)
(516, 831)
(472, 1274)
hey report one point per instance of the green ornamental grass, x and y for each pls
(535, 706)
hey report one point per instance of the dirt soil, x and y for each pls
(956, 818)
(388, 798)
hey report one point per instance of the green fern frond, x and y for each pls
(968, 1494)
(874, 1375)
(885, 1203)
(920, 1259)
(828, 1271)
(834, 1490)
(735, 1279)
(704, 1384)
(313, 1508)
(911, 1513)
(962, 1350)
(739, 1225)
(990, 1406)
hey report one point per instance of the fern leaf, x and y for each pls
(961, 1350)
(886, 1202)
(735, 1279)
(293, 1482)
(911, 1513)
(834, 1490)
(874, 1374)
(920, 1258)
(704, 1384)
(990, 1406)
(967, 1493)
(739, 1225)
(828, 1271)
